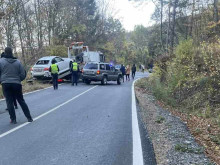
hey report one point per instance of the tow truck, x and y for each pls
(77, 51)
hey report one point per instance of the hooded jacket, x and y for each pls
(11, 71)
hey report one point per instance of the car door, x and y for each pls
(60, 63)
(108, 71)
(114, 74)
(102, 68)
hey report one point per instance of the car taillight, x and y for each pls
(98, 71)
(46, 69)
(31, 69)
(60, 80)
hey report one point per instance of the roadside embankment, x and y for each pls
(173, 134)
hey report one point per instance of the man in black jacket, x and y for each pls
(122, 69)
(133, 69)
(14, 99)
(11, 75)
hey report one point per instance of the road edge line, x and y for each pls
(137, 147)
(46, 113)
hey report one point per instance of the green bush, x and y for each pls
(192, 78)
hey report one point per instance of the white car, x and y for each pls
(41, 68)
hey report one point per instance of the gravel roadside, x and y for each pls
(172, 141)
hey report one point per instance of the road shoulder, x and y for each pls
(172, 141)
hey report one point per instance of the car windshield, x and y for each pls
(91, 66)
(42, 62)
(117, 66)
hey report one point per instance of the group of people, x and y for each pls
(54, 69)
(126, 71)
(12, 73)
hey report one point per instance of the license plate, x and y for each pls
(38, 70)
(89, 72)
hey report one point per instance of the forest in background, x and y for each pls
(185, 47)
(36, 28)
(183, 44)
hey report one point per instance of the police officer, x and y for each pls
(75, 72)
(54, 69)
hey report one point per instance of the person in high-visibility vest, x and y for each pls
(54, 69)
(75, 72)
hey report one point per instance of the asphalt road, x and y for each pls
(83, 125)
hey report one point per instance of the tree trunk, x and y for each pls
(173, 24)
(192, 18)
(161, 24)
(18, 22)
(168, 28)
(216, 18)
(27, 29)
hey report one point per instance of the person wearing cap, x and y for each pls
(11, 74)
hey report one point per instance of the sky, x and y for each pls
(131, 14)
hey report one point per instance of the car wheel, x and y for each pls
(87, 81)
(119, 80)
(104, 80)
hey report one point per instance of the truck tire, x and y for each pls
(87, 81)
(119, 80)
(104, 80)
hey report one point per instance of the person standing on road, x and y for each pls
(128, 72)
(11, 74)
(133, 69)
(122, 69)
(75, 72)
(14, 99)
(54, 69)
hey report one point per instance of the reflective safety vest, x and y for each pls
(54, 69)
(75, 66)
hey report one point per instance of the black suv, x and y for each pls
(104, 72)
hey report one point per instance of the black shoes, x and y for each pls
(13, 122)
(30, 120)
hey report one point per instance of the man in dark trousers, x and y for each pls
(14, 99)
(133, 69)
(54, 69)
(12, 73)
(122, 69)
(75, 71)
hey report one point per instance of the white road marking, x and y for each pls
(137, 147)
(46, 113)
